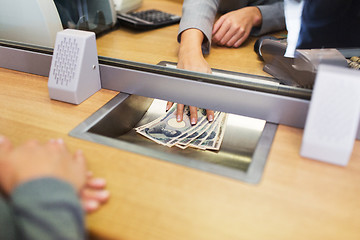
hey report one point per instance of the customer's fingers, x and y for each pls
(94, 194)
(97, 183)
(90, 206)
(5, 145)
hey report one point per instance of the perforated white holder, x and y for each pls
(74, 74)
(333, 117)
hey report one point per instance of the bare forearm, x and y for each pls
(191, 40)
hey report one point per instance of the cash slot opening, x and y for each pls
(242, 155)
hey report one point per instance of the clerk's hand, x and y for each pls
(191, 58)
(193, 113)
(233, 28)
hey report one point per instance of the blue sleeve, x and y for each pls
(47, 208)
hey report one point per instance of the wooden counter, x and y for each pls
(157, 200)
(153, 199)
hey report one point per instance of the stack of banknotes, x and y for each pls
(204, 135)
(354, 62)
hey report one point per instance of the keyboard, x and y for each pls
(148, 19)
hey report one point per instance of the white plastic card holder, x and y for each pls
(333, 117)
(74, 74)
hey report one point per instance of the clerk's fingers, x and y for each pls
(242, 39)
(234, 37)
(217, 25)
(228, 36)
(193, 115)
(179, 112)
(210, 115)
(218, 37)
(5, 145)
(169, 105)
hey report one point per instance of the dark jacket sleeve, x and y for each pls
(47, 208)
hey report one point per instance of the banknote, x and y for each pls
(195, 131)
(198, 134)
(214, 140)
(208, 134)
(167, 131)
(166, 128)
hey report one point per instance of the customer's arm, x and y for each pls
(42, 185)
(47, 208)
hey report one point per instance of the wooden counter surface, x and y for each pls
(152, 199)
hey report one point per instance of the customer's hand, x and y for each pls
(34, 160)
(233, 28)
(93, 195)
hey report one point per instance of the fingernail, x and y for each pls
(193, 121)
(2, 139)
(60, 141)
(178, 118)
(91, 204)
(211, 118)
(103, 194)
(99, 181)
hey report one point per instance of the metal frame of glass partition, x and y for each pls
(279, 104)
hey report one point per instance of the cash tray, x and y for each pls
(242, 155)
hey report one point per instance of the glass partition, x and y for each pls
(156, 50)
